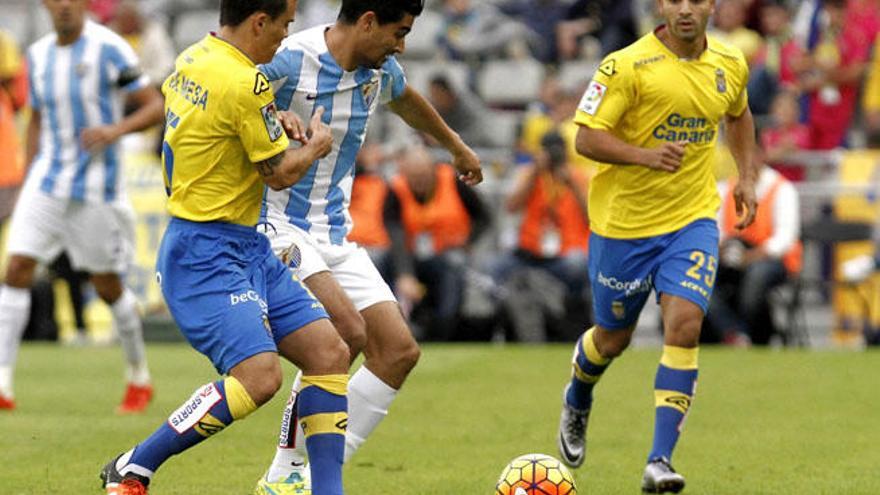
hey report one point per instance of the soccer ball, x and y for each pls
(535, 474)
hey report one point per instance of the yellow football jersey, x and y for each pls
(645, 95)
(10, 59)
(220, 120)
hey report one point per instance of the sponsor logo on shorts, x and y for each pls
(687, 284)
(628, 287)
(194, 409)
(245, 297)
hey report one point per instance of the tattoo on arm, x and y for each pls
(267, 167)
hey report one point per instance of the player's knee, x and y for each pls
(262, 384)
(20, 272)
(353, 330)
(108, 286)
(331, 356)
(410, 355)
(612, 344)
(404, 356)
(614, 349)
(684, 330)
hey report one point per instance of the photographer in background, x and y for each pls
(555, 228)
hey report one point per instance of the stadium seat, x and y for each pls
(505, 127)
(192, 26)
(420, 72)
(16, 21)
(576, 74)
(421, 43)
(510, 83)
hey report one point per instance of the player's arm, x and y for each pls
(150, 111)
(611, 94)
(605, 147)
(287, 168)
(418, 113)
(33, 136)
(741, 141)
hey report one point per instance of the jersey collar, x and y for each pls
(706, 42)
(213, 40)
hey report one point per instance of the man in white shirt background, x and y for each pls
(755, 260)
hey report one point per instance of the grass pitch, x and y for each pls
(763, 422)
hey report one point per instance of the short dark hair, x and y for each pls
(441, 81)
(387, 11)
(234, 12)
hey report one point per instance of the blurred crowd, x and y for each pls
(508, 260)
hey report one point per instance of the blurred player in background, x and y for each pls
(235, 302)
(347, 68)
(13, 97)
(73, 198)
(650, 116)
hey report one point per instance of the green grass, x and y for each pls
(763, 423)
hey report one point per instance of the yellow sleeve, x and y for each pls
(259, 129)
(10, 59)
(872, 84)
(609, 95)
(741, 102)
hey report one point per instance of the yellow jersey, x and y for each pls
(220, 120)
(10, 58)
(645, 95)
(872, 82)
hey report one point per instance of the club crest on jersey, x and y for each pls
(273, 125)
(720, 81)
(593, 97)
(369, 91)
(81, 70)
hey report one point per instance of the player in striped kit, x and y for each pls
(73, 198)
(347, 69)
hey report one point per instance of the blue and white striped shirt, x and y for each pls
(75, 87)
(306, 77)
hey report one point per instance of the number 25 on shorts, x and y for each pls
(700, 262)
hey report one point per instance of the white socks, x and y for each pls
(368, 401)
(131, 335)
(15, 306)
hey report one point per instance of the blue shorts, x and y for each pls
(228, 293)
(623, 271)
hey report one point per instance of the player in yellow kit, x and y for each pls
(651, 117)
(233, 300)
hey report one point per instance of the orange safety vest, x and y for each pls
(444, 217)
(367, 203)
(11, 159)
(757, 233)
(551, 205)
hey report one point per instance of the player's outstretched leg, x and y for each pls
(127, 321)
(15, 305)
(211, 408)
(587, 367)
(674, 388)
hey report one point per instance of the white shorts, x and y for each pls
(98, 238)
(349, 264)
